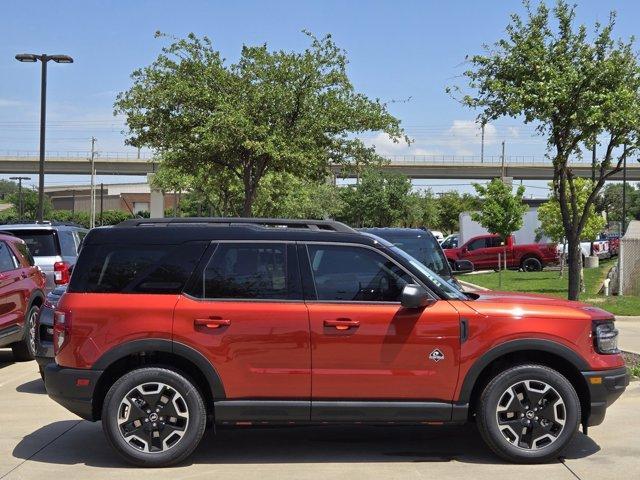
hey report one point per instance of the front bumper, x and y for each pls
(63, 386)
(605, 387)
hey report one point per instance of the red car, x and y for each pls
(21, 296)
(484, 250)
(171, 325)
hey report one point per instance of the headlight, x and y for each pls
(606, 338)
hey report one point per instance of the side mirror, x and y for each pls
(463, 266)
(415, 296)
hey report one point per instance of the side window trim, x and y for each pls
(305, 259)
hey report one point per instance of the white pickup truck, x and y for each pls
(600, 248)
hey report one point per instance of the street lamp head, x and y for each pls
(61, 58)
(27, 57)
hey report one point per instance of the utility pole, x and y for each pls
(624, 195)
(20, 209)
(101, 202)
(92, 215)
(502, 171)
(482, 142)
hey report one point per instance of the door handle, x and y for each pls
(214, 322)
(342, 323)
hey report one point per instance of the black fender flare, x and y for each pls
(35, 294)
(512, 346)
(168, 346)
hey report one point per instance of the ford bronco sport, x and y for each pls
(170, 325)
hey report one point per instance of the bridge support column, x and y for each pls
(156, 202)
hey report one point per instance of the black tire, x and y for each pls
(25, 350)
(531, 264)
(545, 436)
(180, 400)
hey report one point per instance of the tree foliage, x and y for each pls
(551, 219)
(501, 211)
(270, 112)
(450, 205)
(577, 88)
(610, 202)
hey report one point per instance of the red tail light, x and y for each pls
(61, 329)
(61, 273)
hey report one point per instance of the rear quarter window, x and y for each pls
(117, 268)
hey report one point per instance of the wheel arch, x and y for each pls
(147, 352)
(36, 298)
(515, 352)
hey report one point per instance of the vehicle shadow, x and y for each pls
(6, 358)
(81, 442)
(34, 386)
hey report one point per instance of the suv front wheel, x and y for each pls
(154, 417)
(528, 414)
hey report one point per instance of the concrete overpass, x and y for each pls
(414, 166)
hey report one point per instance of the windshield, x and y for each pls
(451, 291)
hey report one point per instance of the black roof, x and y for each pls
(173, 231)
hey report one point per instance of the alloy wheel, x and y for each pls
(153, 417)
(531, 414)
(31, 332)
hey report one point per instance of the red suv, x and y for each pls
(170, 325)
(21, 296)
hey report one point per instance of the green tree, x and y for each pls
(501, 211)
(272, 111)
(7, 187)
(380, 199)
(575, 87)
(29, 204)
(450, 205)
(610, 202)
(551, 219)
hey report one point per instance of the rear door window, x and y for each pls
(41, 243)
(260, 271)
(24, 251)
(477, 244)
(135, 268)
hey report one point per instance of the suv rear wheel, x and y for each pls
(25, 350)
(153, 417)
(528, 414)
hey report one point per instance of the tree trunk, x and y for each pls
(575, 266)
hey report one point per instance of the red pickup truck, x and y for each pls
(483, 252)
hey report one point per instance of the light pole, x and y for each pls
(20, 179)
(44, 59)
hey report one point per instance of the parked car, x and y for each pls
(54, 246)
(44, 328)
(21, 295)
(614, 243)
(285, 322)
(423, 246)
(483, 252)
(438, 235)
(451, 241)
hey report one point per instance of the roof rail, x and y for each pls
(323, 225)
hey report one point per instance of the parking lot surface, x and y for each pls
(41, 440)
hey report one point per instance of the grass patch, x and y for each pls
(548, 282)
(633, 362)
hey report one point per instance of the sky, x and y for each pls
(404, 52)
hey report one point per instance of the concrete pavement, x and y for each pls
(629, 328)
(41, 440)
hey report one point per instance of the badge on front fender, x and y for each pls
(436, 355)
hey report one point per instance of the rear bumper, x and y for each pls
(62, 386)
(605, 387)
